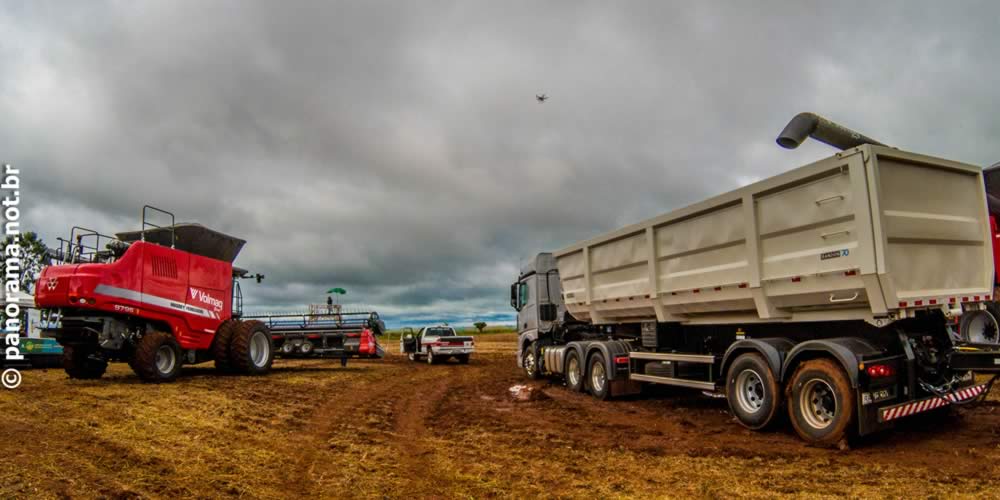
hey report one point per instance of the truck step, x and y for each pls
(694, 384)
(670, 356)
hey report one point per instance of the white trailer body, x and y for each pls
(871, 233)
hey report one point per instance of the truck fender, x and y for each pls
(774, 351)
(610, 349)
(847, 350)
(523, 341)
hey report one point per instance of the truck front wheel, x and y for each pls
(82, 362)
(252, 350)
(600, 386)
(821, 402)
(157, 357)
(529, 360)
(752, 391)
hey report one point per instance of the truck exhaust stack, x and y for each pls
(812, 125)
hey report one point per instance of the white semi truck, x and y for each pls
(828, 290)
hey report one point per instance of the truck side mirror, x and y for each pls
(513, 296)
(547, 312)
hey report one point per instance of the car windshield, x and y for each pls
(439, 332)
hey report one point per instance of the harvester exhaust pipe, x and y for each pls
(812, 125)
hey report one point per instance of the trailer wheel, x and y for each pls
(288, 347)
(752, 391)
(597, 377)
(574, 372)
(306, 347)
(252, 350)
(220, 345)
(529, 360)
(81, 362)
(821, 402)
(157, 357)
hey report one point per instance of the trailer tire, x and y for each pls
(529, 360)
(157, 357)
(752, 391)
(80, 363)
(575, 379)
(252, 349)
(821, 402)
(597, 377)
(306, 347)
(220, 345)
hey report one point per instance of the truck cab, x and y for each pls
(537, 297)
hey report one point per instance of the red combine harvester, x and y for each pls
(155, 298)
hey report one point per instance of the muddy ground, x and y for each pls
(390, 428)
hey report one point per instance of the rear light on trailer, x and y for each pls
(880, 371)
(621, 360)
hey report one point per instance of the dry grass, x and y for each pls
(394, 429)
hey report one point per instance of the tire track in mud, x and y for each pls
(390, 409)
(345, 404)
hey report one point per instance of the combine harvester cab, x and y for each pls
(156, 298)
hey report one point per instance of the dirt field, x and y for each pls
(391, 428)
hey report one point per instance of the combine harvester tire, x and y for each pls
(157, 357)
(79, 364)
(251, 350)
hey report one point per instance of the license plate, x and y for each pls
(868, 398)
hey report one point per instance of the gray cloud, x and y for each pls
(395, 148)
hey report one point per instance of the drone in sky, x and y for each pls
(541, 98)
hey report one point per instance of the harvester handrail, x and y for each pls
(146, 223)
(76, 250)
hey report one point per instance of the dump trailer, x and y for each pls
(827, 290)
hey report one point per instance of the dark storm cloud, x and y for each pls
(396, 149)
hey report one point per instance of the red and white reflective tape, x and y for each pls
(908, 409)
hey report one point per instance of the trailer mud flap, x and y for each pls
(912, 408)
(625, 387)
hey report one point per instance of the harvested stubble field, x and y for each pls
(394, 429)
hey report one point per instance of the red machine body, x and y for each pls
(190, 293)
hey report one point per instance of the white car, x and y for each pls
(437, 343)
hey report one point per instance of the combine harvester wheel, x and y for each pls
(251, 350)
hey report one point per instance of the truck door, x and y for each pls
(527, 314)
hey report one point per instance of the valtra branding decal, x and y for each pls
(205, 298)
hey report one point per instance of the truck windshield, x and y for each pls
(439, 332)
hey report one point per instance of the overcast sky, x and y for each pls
(396, 149)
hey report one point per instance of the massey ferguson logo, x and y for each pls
(207, 299)
(52, 283)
